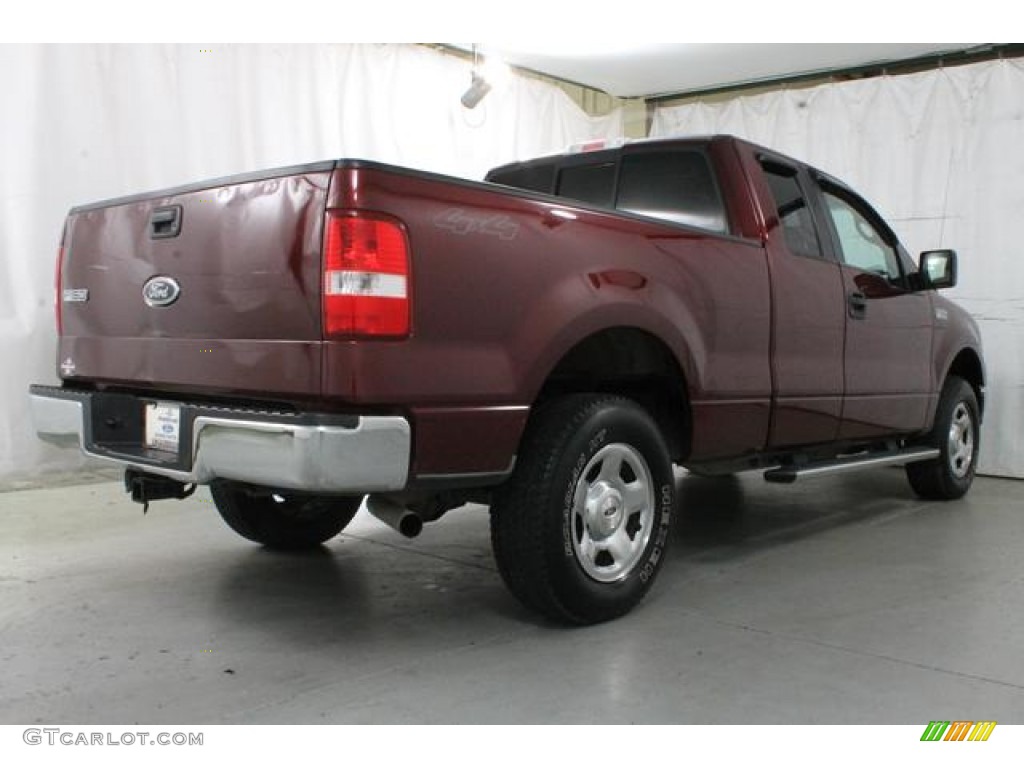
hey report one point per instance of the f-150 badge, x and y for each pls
(161, 291)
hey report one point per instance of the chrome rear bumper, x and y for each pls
(323, 453)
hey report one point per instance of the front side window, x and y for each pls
(861, 244)
(794, 215)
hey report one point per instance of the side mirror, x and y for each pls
(939, 268)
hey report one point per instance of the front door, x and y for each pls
(888, 327)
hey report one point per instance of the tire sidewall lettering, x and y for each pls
(567, 504)
(593, 446)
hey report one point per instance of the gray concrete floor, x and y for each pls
(836, 600)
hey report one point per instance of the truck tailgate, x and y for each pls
(209, 288)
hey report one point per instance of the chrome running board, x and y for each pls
(791, 472)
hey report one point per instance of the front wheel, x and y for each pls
(580, 530)
(956, 434)
(282, 519)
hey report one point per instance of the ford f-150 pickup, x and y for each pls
(548, 342)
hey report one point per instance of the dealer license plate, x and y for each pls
(163, 426)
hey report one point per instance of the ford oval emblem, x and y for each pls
(161, 291)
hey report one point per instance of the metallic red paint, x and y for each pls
(506, 283)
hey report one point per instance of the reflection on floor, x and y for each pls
(835, 600)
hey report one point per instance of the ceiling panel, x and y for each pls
(635, 69)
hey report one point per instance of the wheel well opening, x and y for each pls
(634, 364)
(967, 366)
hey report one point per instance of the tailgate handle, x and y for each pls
(165, 222)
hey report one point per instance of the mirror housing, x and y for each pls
(938, 268)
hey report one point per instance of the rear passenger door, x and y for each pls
(808, 312)
(888, 327)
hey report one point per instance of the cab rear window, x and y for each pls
(534, 178)
(676, 185)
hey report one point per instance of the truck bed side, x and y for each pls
(507, 284)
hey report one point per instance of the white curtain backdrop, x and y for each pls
(941, 155)
(83, 123)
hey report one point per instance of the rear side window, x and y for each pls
(536, 178)
(674, 185)
(794, 215)
(592, 184)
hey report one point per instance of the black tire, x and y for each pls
(956, 435)
(565, 538)
(282, 519)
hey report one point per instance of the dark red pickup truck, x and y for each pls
(549, 343)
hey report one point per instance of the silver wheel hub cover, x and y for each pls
(604, 511)
(960, 443)
(612, 513)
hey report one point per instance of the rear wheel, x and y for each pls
(580, 530)
(955, 434)
(282, 519)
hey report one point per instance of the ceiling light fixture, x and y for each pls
(478, 86)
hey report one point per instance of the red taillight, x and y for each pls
(366, 277)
